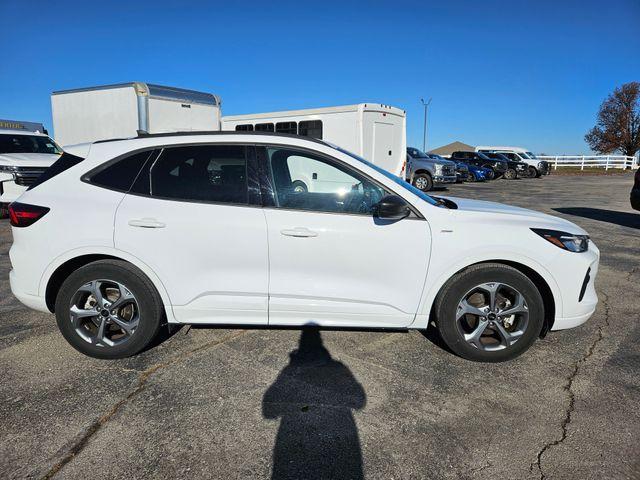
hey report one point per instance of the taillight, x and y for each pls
(23, 214)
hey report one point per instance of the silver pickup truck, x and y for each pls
(425, 172)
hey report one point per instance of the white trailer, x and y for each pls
(374, 131)
(122, 110)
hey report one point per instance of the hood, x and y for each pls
(516, 214)
(28, 159)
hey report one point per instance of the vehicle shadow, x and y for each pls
(313, 396)
(625, 219)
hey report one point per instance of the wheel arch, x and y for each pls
(423, 171)
(544, 283)
(63, 266)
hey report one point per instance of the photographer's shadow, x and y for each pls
(314, 396)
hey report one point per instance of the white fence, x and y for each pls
(591, 161)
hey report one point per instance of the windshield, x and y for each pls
(530, 155)
(483, 156)
(415, 153)
(391, 176)
(11, 143)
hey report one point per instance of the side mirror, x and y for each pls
(392, 207)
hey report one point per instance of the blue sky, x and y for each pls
(529, 73)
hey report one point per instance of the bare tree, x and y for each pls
(618, 125)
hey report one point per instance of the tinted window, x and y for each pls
(121, 174)
(287, 127)
(264, 127)
(211, 173)
(244, 128)
(303, 181)
(310, 128)
(10, 143)
(65, 162)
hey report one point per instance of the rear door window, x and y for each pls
(201, 173)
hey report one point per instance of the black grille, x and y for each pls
(26, 176)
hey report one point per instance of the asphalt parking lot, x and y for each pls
(213, 403)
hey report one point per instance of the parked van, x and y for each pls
(536, 167)
(25, 152)
(374, 131)
(122, 110)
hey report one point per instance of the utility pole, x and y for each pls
(424, 135)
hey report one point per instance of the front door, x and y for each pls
(190, 218)
(332, 263)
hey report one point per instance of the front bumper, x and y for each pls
(9, 191)
(635, 198)
(578, 303)
(441, 179)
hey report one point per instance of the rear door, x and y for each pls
(190, 217)
(383, 143)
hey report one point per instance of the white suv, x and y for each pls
(25, 152)
(210, 229)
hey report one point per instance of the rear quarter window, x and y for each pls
(120, 174)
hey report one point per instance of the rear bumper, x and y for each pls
(32, 301)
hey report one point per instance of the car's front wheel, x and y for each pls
(489, 313)
(533, 173)
(423, 181)
(108, 309)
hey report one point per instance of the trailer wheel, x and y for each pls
(423, 182)
(299, 187)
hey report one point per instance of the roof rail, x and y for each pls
(142, 134)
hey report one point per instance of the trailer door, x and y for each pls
(383, 143)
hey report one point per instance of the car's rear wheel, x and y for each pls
(423, 181)
(489, 313)
(108, 309)
(299, 187)
(510, 174)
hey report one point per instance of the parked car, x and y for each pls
(235, 243)
(423, 171)
(479, 174)
(514, 169)
(462, 169)
(25, 152)
(497, 167)
(635, 191)
(537, 167)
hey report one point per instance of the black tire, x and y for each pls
(510, 174)
(299, 187)
(492, 174)
(472, 177)
(4, 210)
(424, 180)
(463, 282)
(533, 172)
(151, 312)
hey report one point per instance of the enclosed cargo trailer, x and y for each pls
(374, 131)
(125, 109)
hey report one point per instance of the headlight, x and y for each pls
(10, 169)
(564, 240)
(438, 168)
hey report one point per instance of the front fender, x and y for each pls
(437, 279)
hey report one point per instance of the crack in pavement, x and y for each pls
(75, 446)
(568, 387)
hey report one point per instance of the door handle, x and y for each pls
(146, 223)
(300, 232)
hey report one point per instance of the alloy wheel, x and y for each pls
(104, 313)
(492, 316)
